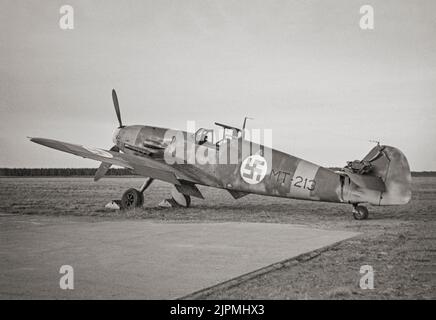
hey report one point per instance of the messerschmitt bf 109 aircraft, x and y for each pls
(381, 178)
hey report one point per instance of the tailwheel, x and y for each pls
(360, 212)
(132, 198)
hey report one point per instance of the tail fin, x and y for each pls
(391, 165)
(382, 178)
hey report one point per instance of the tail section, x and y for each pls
(391, 165)
(381, 178)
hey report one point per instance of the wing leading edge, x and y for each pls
(141, 165)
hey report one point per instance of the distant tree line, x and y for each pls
(60, 172)
(423, 173)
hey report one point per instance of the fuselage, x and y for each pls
(270, 172)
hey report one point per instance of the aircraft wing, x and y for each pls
(144, 166)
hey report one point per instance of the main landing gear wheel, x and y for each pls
(360, 212)
(132, 198)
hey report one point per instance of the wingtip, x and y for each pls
(34, 139)
(38, 140)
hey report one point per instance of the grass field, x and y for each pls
(399, 242)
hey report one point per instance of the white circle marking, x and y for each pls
(253, 169)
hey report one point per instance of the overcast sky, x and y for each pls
(302, 68)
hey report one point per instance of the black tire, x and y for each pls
(132, 198)
(360, 213)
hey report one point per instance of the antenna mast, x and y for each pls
(243, 126)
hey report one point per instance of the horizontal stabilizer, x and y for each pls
(365, 181)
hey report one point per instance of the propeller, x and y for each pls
(117, 107)
(104, 166)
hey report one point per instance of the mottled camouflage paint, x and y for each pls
(287, 176)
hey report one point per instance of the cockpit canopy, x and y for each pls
(204, 135)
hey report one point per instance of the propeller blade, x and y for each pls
(117, 107)
(104, 166)
(101, 171)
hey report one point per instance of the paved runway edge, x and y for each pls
(256, 273)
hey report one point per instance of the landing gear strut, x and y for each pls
(134, 198)
(360, 212)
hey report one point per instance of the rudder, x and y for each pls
(391, 165)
